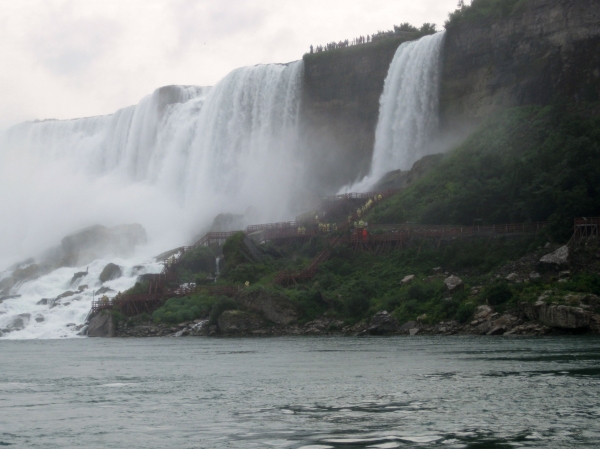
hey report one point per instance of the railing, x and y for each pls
(270, 226)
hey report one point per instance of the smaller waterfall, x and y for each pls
(218, 272)
(408, 108)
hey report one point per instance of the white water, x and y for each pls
(409, 109)
(171, 163)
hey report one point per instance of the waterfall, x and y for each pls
(408, 108)
(171, 163)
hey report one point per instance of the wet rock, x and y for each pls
(238, 321)
(82, 288)
(483, 313)
(407, 279)
(273, 305)
(383, 323)
(39, 318)
(18, 322)
(4, 298)
(413, 331)
(103, 290)
(44, 302)
(498, 330)
(71, 325)
(101, 325)
(558, 258)
(78, 275)
(558, 316)
(110, 272)
(65, 295)
(454, 284)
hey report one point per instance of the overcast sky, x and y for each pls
(76, 58)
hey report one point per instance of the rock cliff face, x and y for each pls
(341, 106)
(544, 49)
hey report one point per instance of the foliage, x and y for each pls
(482, 10)
(523, 164)
(188, 308)
(199, 262)
(138, 289)
(499, 293)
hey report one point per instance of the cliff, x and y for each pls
(541, 50)
(341, 107)
(537, 51)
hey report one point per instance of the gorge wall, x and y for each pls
(340, 107)
(542, 50)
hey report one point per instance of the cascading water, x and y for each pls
(409, 108)
(171, 163)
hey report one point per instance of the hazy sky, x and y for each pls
(75, 58)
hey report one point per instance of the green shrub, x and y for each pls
(188, 308)
(356, 305)
(465, 312)
(499, 293)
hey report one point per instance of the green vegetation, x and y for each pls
(482, 10)
(177, 310)
(197, 264)
(523, 165)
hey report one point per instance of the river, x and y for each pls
(338, 392)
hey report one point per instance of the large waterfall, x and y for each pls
(172, 162)
(409, 108)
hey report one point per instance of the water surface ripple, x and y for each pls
(308, 393)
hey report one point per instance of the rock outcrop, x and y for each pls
(543, 49)
(272, 305)
(239, 322)
(558, 316)
(110, 272)
(557, 259)
(101, 325)
(383, 323)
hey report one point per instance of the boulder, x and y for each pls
(110, 272)
(483, 313)
(407, 279)
(558, 316)
(512, 277)
(65, 295)
(273, 305)
(383, 323)
(101, 325)
(4, 298)
(238, 321)
(78, 275)
(103, 290)
(408, 326)
(413, 331)
(18, 322)
(498, 330)
(558, 258)
(534, 276)
(454, 284)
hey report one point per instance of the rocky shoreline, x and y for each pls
(536, 319)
